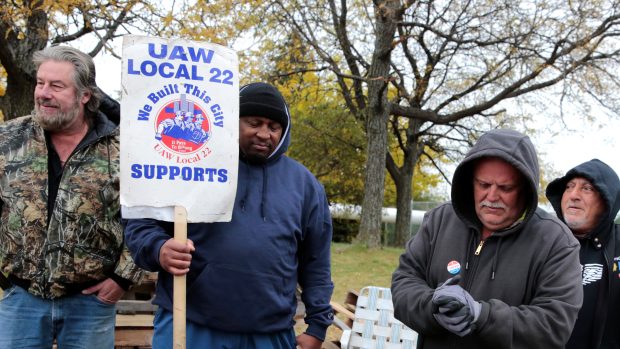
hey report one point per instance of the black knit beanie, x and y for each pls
(261, 99)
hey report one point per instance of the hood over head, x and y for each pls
(262, 99)
(510, 146)
(603, 178)
(110, 108)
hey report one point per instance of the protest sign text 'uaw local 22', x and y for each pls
(179, 62)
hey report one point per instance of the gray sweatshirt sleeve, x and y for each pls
(411, 293)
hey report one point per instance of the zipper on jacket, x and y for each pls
(471, 275)
(603, 314)
(479, 248)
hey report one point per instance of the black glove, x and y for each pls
(455, 309)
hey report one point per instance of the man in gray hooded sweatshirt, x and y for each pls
(489, 269)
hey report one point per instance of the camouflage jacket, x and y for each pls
(83, 242)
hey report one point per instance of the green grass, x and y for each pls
(355, 266)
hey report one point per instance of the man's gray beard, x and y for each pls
(575, 223)
(57, 122)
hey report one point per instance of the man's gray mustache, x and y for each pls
(492, 204)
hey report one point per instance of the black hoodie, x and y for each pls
(599, 317)
(526, 277)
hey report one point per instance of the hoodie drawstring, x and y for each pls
(244, 198)
(263, 200)
(469, 245)
(495, 258)
(263, 196)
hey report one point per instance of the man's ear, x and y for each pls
(85, 97)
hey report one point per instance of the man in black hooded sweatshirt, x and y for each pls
(587, 199)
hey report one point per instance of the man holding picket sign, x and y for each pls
(242, 275)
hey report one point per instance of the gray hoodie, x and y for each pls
(527, 277)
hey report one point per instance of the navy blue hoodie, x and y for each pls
(244, 273)
(599, 317)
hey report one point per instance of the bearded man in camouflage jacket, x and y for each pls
(61, 241)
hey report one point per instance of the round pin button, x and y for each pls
(454, 267)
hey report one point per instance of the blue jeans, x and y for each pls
(202, 337)
(76, 322)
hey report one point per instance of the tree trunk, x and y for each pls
(403, 208)
(16, 59)
(18, 99)
(403, 180)
(404, 187)
(386, 15)
(370, 221)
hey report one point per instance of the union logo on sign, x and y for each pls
(182, 126)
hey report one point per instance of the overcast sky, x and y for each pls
(582, 142)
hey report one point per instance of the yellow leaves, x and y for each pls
(13, 13)
(326, 138)
(424, 180)
(167, 19)
(3, 81)
(221, 22)
(62, 16)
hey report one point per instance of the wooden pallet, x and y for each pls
(343, 317)
(133, 331)
(134, 316)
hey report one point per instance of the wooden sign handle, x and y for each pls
(179, 288)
